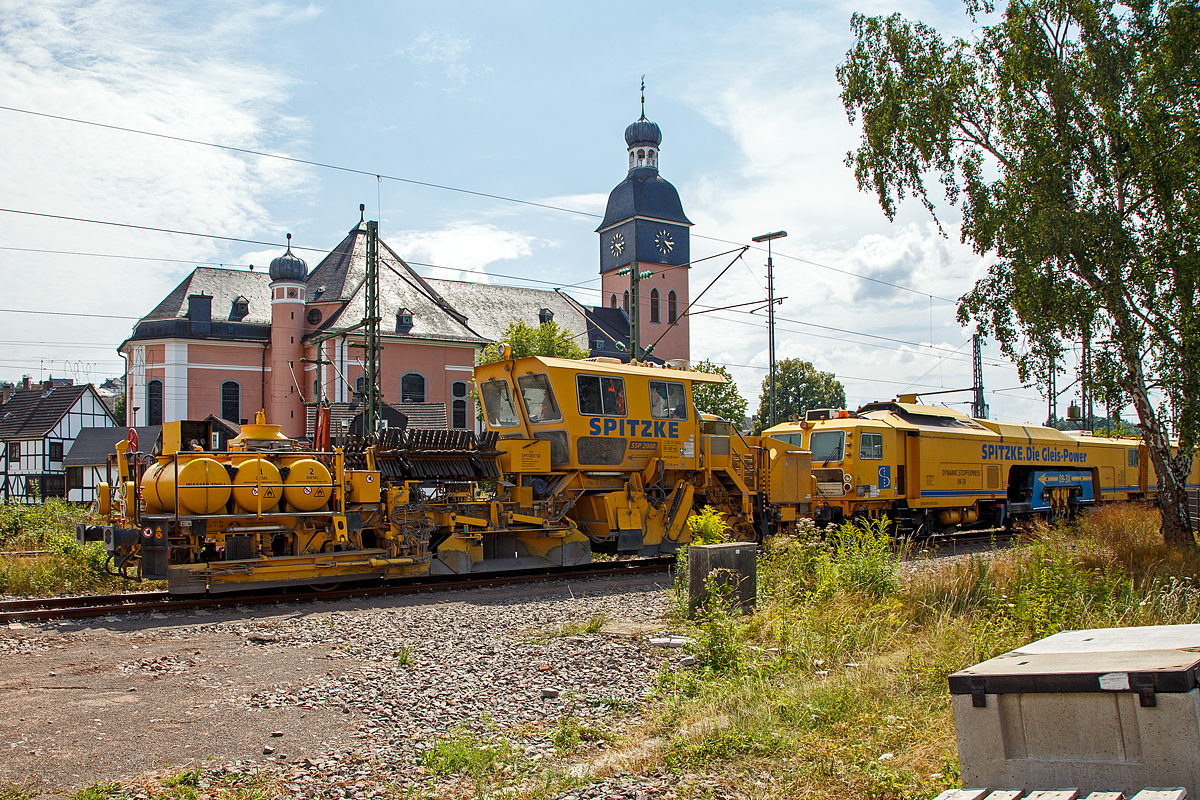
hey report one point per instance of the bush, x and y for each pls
(62, 565)
(708, 527)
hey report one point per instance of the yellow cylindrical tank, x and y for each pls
(308, 485)
(203, 486)
(150, 489)
(249, 482)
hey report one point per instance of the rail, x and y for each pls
(161, 602)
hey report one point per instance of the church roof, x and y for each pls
(643, 193)
(223, 286)
(490, 308)
(343, 273)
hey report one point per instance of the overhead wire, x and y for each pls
(381, 177)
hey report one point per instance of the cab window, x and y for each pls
(498, 404)
(600, 397)
(870, 445)
(539, 400)
(667, 400)
(827, 445)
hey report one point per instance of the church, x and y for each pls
(230, 342)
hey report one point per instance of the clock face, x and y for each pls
(616, 245)
(664, 242)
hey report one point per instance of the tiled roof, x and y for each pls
(93, 445)
(490, 308)
(433, 317)
(33, 413)
(224, 286)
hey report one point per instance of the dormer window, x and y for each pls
(545, 315)
(404, 321)
(239, 310)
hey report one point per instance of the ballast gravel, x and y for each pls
(346, 699)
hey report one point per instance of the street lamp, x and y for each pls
(768, 238)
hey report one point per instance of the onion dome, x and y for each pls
(643, 132)
(289, 266)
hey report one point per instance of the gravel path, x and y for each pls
(348, 699)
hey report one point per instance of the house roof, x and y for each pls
(93, 445)
(33, 413)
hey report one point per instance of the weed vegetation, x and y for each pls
(835, 686)
(40, 556)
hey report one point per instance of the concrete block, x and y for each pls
(1005, 794)
(1105, 796)
(1177, 793)
(1053, 794)
(733, 565)
(962, 794)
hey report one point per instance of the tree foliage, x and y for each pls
(547, 339)
(723, 399)
(1068, 133)
(799, 386)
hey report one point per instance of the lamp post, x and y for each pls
(768, 238)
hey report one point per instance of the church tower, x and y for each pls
(645, 229)
(285, 407)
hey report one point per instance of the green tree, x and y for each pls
(799, 386)
(722, 399)
(547, 339)
(119, 408)
(1068, 133)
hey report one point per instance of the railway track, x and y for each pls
(162, 602)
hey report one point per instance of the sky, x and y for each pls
(432, 113)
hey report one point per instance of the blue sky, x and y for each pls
(523, 100)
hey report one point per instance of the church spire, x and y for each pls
(643, 138)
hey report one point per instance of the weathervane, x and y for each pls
(643, 97)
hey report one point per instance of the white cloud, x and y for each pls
(460, 252)
(441, 48)
(127, 64)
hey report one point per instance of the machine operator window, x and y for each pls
(827, 445)
(870, 445)
(600, 397)
(498, 404)
(539, 398)
(667, 400)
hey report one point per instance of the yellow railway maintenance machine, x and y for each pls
(934, 469)
(578, 455)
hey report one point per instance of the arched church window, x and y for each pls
(412, 388)
(612, 303)
(154, 402)
(654, 306)
(626, 302)
(672, 307)
(231, 401)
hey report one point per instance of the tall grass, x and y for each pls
(836, 686)
(61, 565)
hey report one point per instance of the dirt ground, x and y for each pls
(110, 699)
(104, 701)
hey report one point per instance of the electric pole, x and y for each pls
(371, 410)
(768, 238)
(979, 409)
